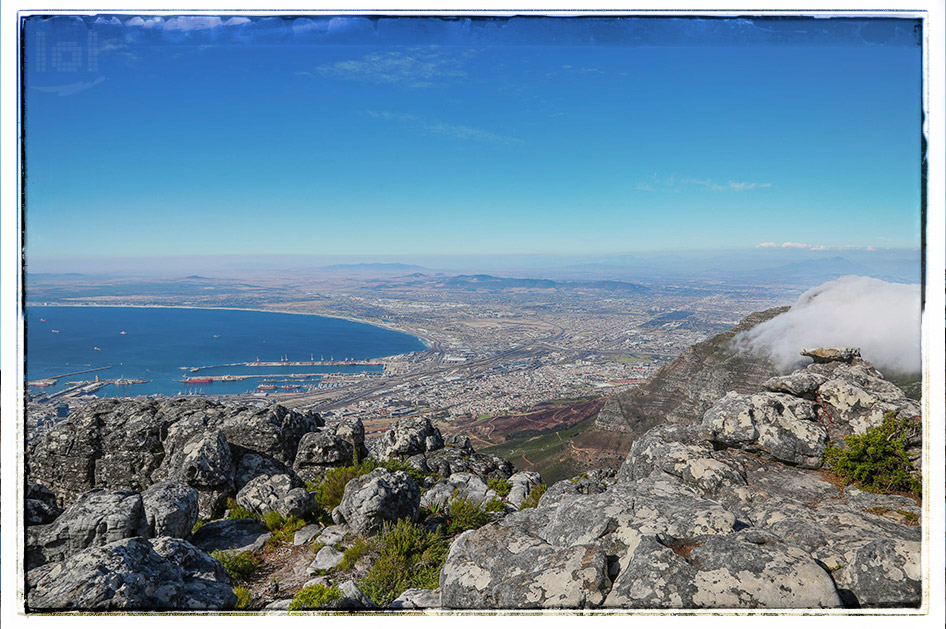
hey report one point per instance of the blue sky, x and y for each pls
(425, 136)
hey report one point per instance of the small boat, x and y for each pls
(123, 332)
(55, 331)
(97, 349)
(43, 320)
(216, 336)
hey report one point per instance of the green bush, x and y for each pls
(533, 499)
(409, 557)
(500, 485)
(394, 465)
(877, 460)
(353, 553)
(236, 512)
(238, 565)
(244, 598)
(315, 597)
(199, 523)
(463, 515)
(495, 505)
(329, 492)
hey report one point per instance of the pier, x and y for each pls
(294, 363)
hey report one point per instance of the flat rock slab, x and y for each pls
(326, 559)
(306, 534)
(237, 535)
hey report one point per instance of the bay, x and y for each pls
(158, 342)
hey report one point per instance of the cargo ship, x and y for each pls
(196, 380)
(267, 387)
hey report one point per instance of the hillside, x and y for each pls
(684, 388)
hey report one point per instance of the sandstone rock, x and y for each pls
(322, 449)
(128, 575)
(522, 484)
(326, 559)
(203, 462)
(377, 497)
(780, 425)
(832, 354)
(446, 462)
(353, 431)
(881, 573)
(96, 518)
(495, 567)
(408, 436)
(800, 384)
(205, 582)
(236, 535)
(170, 508)
(297, 503)
(274, 431)
(332, 535)
(262, 494)
(353, 597)
(248, 465)
(41, 506)
(416, 598)
(457, 486)
(306, 534)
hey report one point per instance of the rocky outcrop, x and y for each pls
(319, 451)
(41, 506)
(99, 517)
(683, 389)
(457, 486)
(245, 534)
(407, 437)
(170, 508)
(723, 513)
(131, 574)
(132, 444)
(378, 497)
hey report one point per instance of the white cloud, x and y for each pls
(193, 23)
(70, 89)
(881, 318)
(673, 184)
(803, 245)
(437, 127)
(412, 68)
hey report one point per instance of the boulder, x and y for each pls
(832, 354)
(408, 436)
(326, 559)
(96, 518)
(457, 486)
(130, 575)
(297, 503)
(352, 431)
(204, 462)
(237, 535)
(41, 506)
(170, 508)
(273, 430)
(417, 598)
(353, 597)
(378, 497)
(781, 425)
(320, 450)
(248, 465)
(306, 534)
(447, 461)
(262, 494)
(522, 485)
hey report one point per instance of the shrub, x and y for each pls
(236, 512)
(353, 553)
(244, 598)
(329, 492)
(495, 505)
(283, 529)
(877, 460)
(238, 565)
(500, 485)
(315, 597)
(394, 465)
(409, 557)
(533, 499)
(199, 523)
(463, 515)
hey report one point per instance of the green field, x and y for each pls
(549, 452)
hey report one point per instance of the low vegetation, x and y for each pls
(533, 498)
(877, 461)
(500, 485)
(409, 557)
(358, 549)
(244, 598)
(329, 492)
(315, 597)
(464, 515)
(238, 565)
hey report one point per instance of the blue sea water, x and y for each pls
(159, 341)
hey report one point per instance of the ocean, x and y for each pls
(163, 344)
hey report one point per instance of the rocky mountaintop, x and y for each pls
(684, 388)
(184, 504)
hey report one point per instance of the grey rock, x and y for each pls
(96, 518)
(41, 506)
(203, 462)
(319, 451)
(802, 384)
(881, 573)
(129, 575)
(263, 493)
(446, 462)
(457, 486)
(417, 598)
(778, 424)
(353, 431)
(306, 534)
(249, 465)
(297, 503)
(832, 354)
(353, 597)
(332, 535)
(236, 535)
(326, 559)
(408, 436)
(170, 508)
(458, 442)
(377, 497)
(522, 485)
(495, 567)
(280, 605)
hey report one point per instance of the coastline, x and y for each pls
(425, 341)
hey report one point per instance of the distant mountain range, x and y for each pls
(475, 282)
(375, 267)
